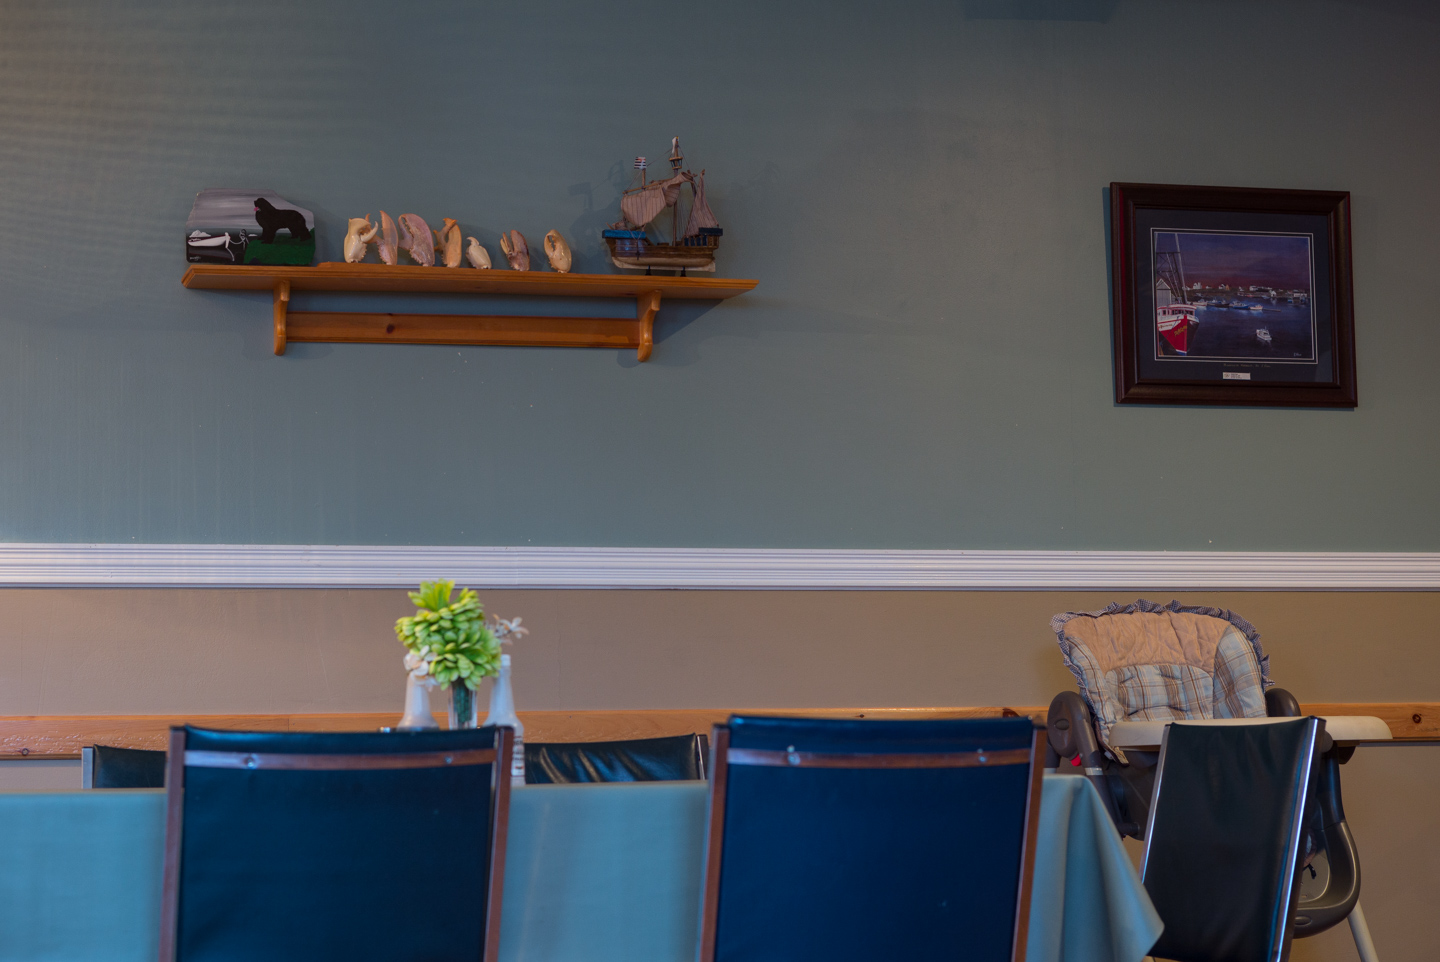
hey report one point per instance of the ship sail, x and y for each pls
(642, 206)
(700, 213)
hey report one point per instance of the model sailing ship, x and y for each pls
(631, 247)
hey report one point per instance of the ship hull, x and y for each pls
(639, 253)
(1173, 323)
(674, 262)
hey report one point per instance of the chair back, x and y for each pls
(1150, 662)
(303, 845)
(672, 759)
(1222, 847)
(838, 839)
(104, 766)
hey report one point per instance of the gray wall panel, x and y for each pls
(926, 362)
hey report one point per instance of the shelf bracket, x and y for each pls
(646, 306)
(282, 304)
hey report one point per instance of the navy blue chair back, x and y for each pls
(671, 759)
(124, 767)
(297, 846)
(835, 839)
(1223, 844)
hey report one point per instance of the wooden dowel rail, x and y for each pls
(62, 736)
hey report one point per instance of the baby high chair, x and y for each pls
(1143, 665)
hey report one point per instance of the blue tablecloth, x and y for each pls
(593, 873)
(1087, 902)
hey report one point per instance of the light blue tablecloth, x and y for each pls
(1087, 902)
(593, 873)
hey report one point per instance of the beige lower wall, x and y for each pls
(138, 651)
(155, 651)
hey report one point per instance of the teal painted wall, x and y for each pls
(926, 362)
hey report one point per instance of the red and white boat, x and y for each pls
(1174, 322)
(1174, 314)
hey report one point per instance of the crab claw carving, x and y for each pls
(478, 256)
(415, 239)
(386, 244)
(558, 252)
(517, 252)
(360, 233)
(447, 242)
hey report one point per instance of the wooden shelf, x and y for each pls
(379, 328)
(62, 736)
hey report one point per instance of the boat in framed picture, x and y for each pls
(643, 210)
(1175, 318)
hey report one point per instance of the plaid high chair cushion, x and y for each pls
(1149, 662)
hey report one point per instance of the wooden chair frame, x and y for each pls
(497, 757)
(720, 758)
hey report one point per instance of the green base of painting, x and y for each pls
(282, 250)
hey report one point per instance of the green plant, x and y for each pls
(448, 637)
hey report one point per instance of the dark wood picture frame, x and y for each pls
(1197, 380)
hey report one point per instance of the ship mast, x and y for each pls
(1180, 265)
(640, 165)
(1171, 268)
(676, 159)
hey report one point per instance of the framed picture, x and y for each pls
(1226, 295)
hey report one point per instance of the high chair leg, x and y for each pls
(1361, 932)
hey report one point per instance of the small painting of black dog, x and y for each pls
(271, 218)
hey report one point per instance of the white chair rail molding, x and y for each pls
(392, 566)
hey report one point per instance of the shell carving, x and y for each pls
(447, 243)
(416, 241)
(478, 256)
(385, 243)
(558, 251)
(358, 238)
(517, 252)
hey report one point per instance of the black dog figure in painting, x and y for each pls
(271, 218)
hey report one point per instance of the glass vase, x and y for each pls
(464, 706)
(417, 705)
